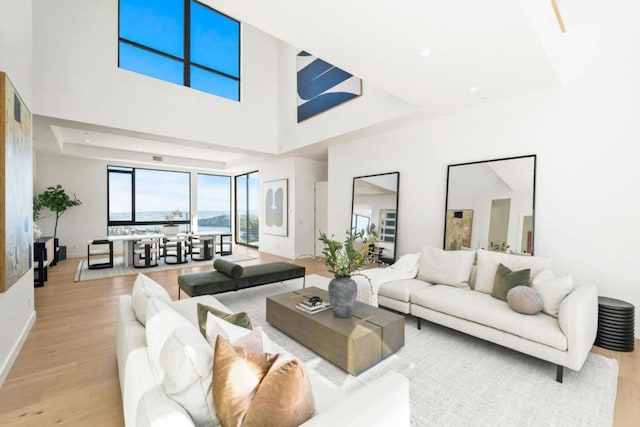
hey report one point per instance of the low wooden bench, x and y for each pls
(229, 276)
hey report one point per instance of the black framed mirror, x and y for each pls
(374, 209)
(491, 205)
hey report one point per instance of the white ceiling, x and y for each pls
(440, 56)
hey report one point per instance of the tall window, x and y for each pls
(139, 200)
(183, 42)
(248, 209)
(214, 203)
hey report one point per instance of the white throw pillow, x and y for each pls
(408, 262)
(163, 321)
(253, 340)
(145, 288)
(553, 290)
(488, 264)
(451, 268)
(154, 306)
(187, 361)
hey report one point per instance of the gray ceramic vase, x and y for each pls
(342, 295)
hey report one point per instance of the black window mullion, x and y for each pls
(187, 43)
(211, 70)
(150, 49)
(133, 195)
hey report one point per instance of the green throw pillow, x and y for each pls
(506, 279)
(239, 319)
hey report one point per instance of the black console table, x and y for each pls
(616, 321)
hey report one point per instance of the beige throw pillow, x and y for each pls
(452, 268)
(552, 289)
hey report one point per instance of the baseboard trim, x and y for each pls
(8, 363)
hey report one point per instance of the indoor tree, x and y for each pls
(57, 201)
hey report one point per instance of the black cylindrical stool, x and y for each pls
(616, 321)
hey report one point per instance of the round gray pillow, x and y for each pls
(525, 300)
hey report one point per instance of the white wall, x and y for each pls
(85, 178)
(17, 313)
(302, 174)
(308, 172)
(76, 77)
(585, 135)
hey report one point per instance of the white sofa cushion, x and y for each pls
(401, 290)
(163, 321)
(187, 361)
(483, 309)
(552, 289)
(488, 264)
(452, 268)
(143, 289)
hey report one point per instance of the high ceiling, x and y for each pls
(440, 56)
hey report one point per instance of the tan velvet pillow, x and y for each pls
(237, 373)
(259, 389)
(283, 399)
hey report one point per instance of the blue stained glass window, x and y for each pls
(150, 64)
(152, 42)
(158, 24)
(216, 84)
(215, 40)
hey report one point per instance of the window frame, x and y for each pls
(186, 61)
(236, 230)
(133, 222)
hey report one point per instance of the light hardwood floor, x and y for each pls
(66, 372)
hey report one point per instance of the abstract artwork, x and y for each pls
(322, 86)
(459, 223)
(16, 190)
(275, 205)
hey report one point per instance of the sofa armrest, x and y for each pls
(384, 402)
(578, 319)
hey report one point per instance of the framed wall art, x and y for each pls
(458, 229)
(275, 206)
(16, 238)
(322, 86)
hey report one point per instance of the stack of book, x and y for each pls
(308, 307)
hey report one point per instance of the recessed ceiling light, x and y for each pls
(473, 89)
(87, 140)
(425, 52)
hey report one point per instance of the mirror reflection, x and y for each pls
(490, 205)
(375, 211)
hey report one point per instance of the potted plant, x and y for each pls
(342, 259)
(37, 209)
(57, 201)
(170, 228)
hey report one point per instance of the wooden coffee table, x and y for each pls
(353, 344)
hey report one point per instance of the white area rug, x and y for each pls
(119, 269)
(459, 380)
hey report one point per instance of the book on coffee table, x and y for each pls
(314, 309)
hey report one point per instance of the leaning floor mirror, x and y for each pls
(490, 204)
(375, 211)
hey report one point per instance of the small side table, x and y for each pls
(616, 321)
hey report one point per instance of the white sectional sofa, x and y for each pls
(146, 403)
(563, 334)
